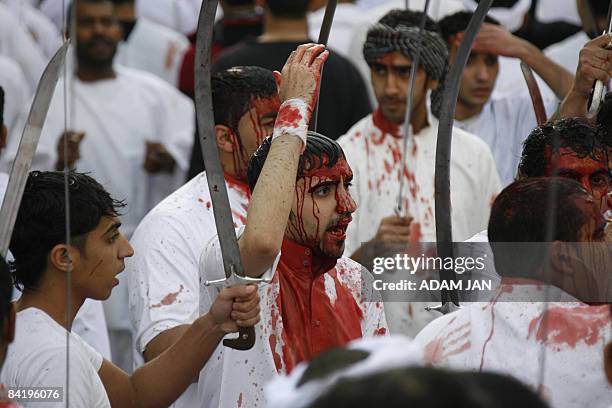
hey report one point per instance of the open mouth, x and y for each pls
(339, 230)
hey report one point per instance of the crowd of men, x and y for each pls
(329, 159)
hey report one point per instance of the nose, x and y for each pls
(345, 202)
(126, 250)
(392, 86)
(482, 72)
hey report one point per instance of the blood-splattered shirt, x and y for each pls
(373, 148)
(509, 336)
(163, 276)
(302, 314)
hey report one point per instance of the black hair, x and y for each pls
(520, 214)
(604, 120)
(1, 107)
(425, 387)
(234, 89)
(331, 361)
(6, 290)
(292, 9)
(458, 22)
(239, 2)
(41, 222)
(501, 3)
(577, 134)
(599, 7)
(320, 151)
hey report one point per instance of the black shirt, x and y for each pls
(343, 97)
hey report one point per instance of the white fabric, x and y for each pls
(548, 11)
(437, 10)
(168, 244)
(567, 52)
(118, 115)
(504, 124)
(17, 91)
(386, 353)
(474, 180)
(4, 178)
(53, 10)
(17, 44)
(508, 336)
(179, 15)
(42, 29)
(155, 49)
(37, 358)
(510, 17)
(347, 17)
(237, 378)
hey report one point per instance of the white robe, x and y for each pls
(179, 15)
(347, 17)
(376, 159)
(17, 44)
(504, 124)
(17, 93)
(238, 378)
(155, 49)
(508, 336)
(168, 244)
(42, 29)
(567, 52)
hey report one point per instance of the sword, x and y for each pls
(328, 19)
(534, 92)
(408, 117)
(27, 146)
(444, 228)
(232, 264)
(599, 88)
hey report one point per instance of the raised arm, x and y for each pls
(494, 39)
(274, 192)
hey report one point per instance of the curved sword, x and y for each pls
(599, 88)
(328, 19)
(534, 93)
(408, 116)
(27, 146)
(232, 264)
(444, 229)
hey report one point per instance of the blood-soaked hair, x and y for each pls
(576, 134)
(41, 220)
(320, 151)
(234, 90)
(521, 214)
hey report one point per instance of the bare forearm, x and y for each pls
(161, 381)
(270, 205)
(555, 76)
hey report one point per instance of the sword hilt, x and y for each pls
(444, 308)
(246, 335)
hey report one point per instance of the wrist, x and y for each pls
(206, 324)
(293, 119)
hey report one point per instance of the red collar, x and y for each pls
(386, 126)
(299, 259)
(237, 184)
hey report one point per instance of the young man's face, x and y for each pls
(594, 175)
(322, 210)
(97, 32)
(478, 80)
(254, 126)
(390, 80)
(95, 271)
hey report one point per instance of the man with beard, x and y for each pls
(129, 129)
(542, 303)
(170, 239)
(374, 148)
(294, 235)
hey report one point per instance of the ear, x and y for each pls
(564, 260)
(278, 77)
(62, 257)
(226, 140)
(8, 330)
(3, 137)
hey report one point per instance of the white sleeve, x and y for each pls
(163, 280)
(211, 268)
(375, 321)
(90, 325)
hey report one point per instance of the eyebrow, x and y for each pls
(115, 226)
(324, 184)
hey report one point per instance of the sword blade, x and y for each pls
(214, 173)
(27, 146)
(534, 93)
(444, 229)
